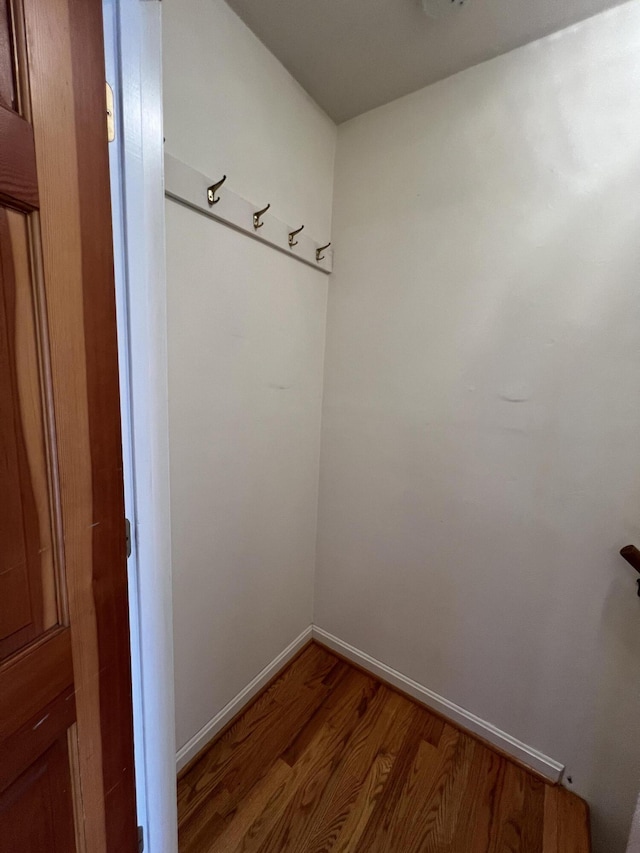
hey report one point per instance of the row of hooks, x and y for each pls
(212, 198)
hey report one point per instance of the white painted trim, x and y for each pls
(217, 723)
(139, 136)
(111, 20)
(533, 758)
(189, 187)
(549, 768)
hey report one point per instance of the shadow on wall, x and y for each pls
(616, 722)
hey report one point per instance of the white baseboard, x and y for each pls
(544, 765)
(217, 723)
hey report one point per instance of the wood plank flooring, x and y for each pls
(331, 759)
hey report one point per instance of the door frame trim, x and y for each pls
(142, 301)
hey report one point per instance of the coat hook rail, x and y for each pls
(196, 191)
(211, 191)
(257, 217)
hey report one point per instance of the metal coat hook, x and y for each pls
(211, 191)
(292, 234)
(320, 257)
(256, 217)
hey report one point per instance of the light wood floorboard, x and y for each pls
(330, 760)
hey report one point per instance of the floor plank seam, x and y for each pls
(329, 759)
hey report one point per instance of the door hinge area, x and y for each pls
(111, 120)
(140, 839)
(127, 534)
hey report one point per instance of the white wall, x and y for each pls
(481, 420)
(246, 348)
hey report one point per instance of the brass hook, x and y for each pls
(292, 234)
(256, 217)
(211, 191)
(320, 257)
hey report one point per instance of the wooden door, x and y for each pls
(66, 742)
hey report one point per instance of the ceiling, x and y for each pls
(353, 55)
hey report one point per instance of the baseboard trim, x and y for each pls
(239, 702)
(533, 758)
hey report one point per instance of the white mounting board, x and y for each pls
(188, 186)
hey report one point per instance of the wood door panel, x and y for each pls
(13, 551)
(31, 680)
(24, 746)
(7, 70)
(78, 264)
(27, 570)
(65, 680)
(36, 812)
(18, 182)
(14, 589)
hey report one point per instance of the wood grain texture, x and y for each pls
(64, 560)
(330, 759)
(7, 72)
(35, 813)
(564, 819)
(108, 536)
(18, 182)
(27, 582)
(31, 680)
(24, 746)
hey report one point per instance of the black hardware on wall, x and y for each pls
(319, 255)
(211, 191)
(632, 555)
(292, 234)
(257, 217)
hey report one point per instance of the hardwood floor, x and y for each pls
(331, 759)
